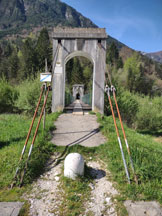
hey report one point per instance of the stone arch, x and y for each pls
(78, 54)
(86, 42)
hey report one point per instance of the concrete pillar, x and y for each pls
(87, 42)
(73, 165)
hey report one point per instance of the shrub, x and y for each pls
(8, 95)
(149, 116)
(128, 105)
(29, 92)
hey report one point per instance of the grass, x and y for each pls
(14, 130)
(146, 155)
(75, 194)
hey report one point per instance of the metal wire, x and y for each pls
(35, 134)
(125, 139)
(28, 135)
(117, 132)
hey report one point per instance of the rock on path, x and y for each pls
(10, 208)
(77, 129)
(142, 208)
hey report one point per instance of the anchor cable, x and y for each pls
(35, 134)
(107, 89)
(28, 135)
(125, 139)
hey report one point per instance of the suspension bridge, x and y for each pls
(90, 43)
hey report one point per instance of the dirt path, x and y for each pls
(102, 193)
(77, 129)
(44, 198)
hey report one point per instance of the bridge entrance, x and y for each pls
(85, 42)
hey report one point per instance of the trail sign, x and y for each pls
(45, 77)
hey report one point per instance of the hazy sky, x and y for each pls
(136, 23)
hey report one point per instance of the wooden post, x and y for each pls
(44, 114)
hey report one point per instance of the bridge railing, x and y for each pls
(87, 99)
(68, 98)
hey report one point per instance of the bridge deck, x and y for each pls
(77, 129)
(78, 105)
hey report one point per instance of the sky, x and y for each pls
(136, 23)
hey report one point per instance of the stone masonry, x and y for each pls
(86, 42)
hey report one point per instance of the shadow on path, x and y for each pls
(56, 161)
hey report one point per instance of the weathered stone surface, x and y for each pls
(10, 208)
(78, 89)
(93, 47)
(77, 129)
(142, 208)
(73, 165)
(66, 32)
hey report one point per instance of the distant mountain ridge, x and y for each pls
(156, 56)
(16, 15)
(20, 17)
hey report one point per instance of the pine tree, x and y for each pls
(43, 49)
(28, 60)
(77, 72)
(113, 58)
(13, 65)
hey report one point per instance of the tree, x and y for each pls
(43, 49)
(132, 68)
(137, 81)
(13, 65)
(87, 73)
(28, 59)
(77, 72)
(113, 58)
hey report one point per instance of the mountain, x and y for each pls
(17, 15)
(156, 56)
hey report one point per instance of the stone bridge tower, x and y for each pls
(86, 42)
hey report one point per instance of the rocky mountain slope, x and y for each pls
(156, 56)
(17, 15)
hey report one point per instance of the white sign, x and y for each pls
(58, 70)
(45, 77)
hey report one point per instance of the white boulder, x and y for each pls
(73, 165)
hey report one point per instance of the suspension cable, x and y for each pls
(55, 60)
(125, 139)
(107, 89)
(121, 123)
(109, 76)
(28, 135)
(35, 134)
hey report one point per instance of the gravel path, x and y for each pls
(45, 197)
(77, 129)
(102, 193)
